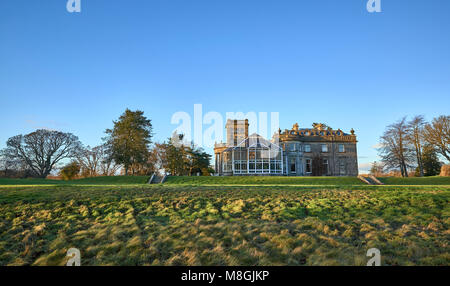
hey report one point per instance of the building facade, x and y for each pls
(317, 151)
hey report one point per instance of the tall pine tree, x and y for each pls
(128, 142)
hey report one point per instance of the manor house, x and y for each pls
(317, 151)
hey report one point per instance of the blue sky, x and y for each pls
(313, 61)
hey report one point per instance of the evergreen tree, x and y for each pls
(182, 158)
(431, 164)
(128, 142)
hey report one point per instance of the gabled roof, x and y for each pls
(256, 140)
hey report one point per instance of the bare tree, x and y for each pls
(376, 169)
(160, 157)
(7, 165)
(109, 167)
(395, 151)
(437, 134)
(42, 149)
(96, 162)
(12, 167)
(318, 167)
(414, 136)
(89, 160)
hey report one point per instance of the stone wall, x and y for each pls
(339, 163)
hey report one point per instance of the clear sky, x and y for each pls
(313, 61)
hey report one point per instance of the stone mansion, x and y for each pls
(317, 151)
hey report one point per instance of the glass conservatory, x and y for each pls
(254, 155)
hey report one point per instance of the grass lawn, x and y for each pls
(224, 225)
(300, 181)
(229, 181)
(115, 180)
(263, 180)
(416, 181)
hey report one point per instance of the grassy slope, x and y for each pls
(116, 180)
(416, 181)
(195, 225)
(254, 180)
(261, 180)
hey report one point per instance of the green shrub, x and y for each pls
(70, 171)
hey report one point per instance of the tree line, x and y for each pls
(126, 149)
(415, 145)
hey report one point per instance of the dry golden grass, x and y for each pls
(445, 171)
(158, 225)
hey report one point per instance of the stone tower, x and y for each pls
(237, 130)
